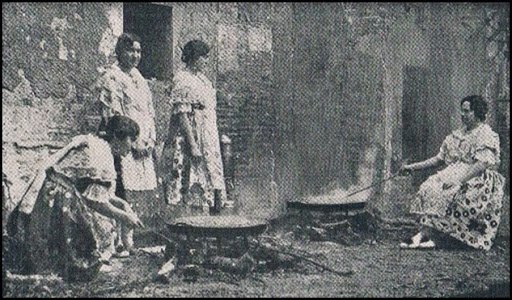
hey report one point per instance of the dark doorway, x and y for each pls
(153, 24)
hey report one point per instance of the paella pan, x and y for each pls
(217, 225)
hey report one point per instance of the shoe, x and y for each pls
(418, 242)
(413, 242)
(122, 254)
(106, 269)
(427, 245)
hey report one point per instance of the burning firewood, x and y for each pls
(331, 225)
(241, 265)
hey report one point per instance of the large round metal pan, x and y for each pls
(217, 226)
(302, 205)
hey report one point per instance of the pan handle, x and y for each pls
(180, 224)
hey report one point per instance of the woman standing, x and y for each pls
(464, 200)
(123, 91)
(192, 155)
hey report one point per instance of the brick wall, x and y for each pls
(306, 91)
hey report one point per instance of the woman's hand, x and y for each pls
(405, 170)
(128, 216)
(132, 220)
(126, 207)
(451, 184)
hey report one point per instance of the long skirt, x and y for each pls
(185, 183)
(62, 235)
(470, 214)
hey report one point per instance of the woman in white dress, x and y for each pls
(124, 91)
(192, 154)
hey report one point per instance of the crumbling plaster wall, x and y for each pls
(53, 53)
(71, 43)
(452, 42)
(448, 40)
(51, 56)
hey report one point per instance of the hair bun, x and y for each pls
(193, 50)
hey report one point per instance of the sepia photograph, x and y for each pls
(256, 149)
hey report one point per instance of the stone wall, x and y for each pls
(310, 94)
(51, 56)
(69, 44)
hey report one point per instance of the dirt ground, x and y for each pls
(379, 269)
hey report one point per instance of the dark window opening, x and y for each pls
(153, 24)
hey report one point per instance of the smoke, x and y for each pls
(337, 195)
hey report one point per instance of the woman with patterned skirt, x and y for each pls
(192, 153)
(65, 222)
(464, 200)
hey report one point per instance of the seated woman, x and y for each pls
(464, 200)
(65, 221)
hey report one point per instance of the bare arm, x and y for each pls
(118, 202)
(122, 204)
(429, 163)
(152, 134)
(111, 211)
(474, 170)
(108, 210)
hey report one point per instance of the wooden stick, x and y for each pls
(372, 185)
(333, 224)
(323, 267)
(160, 235)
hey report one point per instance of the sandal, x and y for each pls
(412, 242)
(424, 243)
(409, 244)
(419, 241)
(122, 254)
(427, 245)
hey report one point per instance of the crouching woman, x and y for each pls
(65, 222)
